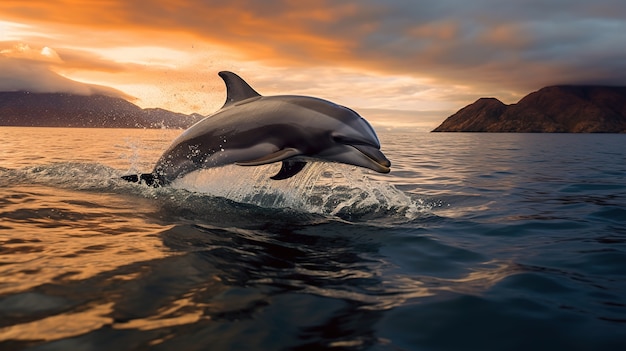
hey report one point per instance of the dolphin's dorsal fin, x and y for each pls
(236, 88)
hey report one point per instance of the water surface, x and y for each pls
(474, 241)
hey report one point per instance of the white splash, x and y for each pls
(323, 188)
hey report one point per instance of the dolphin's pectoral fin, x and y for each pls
(149, 179)
(289, 169)
(279, 155)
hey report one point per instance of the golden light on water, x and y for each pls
(60, 326)
(82, 244)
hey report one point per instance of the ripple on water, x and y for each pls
(75, 239)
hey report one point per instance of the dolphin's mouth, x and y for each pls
(377, 160)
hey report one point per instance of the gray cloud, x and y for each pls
(503, 44)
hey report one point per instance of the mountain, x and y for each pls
(24, 108)
(554, 109)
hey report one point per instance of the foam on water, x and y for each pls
(321, 188)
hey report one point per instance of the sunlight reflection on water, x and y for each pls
(515, 242)
(64, 235)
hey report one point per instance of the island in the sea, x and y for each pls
(28, 109)
(554, 109)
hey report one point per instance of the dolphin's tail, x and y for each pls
(149, 179)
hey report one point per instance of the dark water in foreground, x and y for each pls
(473, 242)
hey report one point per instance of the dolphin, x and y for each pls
(252, 130)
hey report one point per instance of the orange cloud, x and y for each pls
(268, 30)
(452, 41)
(450, 52)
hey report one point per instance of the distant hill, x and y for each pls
(555, 109)
(24, 108)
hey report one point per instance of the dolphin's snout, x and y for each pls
(379, 162)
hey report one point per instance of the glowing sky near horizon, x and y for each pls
(396, 62)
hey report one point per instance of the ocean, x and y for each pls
(474, 241)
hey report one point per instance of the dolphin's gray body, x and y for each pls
(252, 130)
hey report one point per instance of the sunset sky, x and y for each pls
(396, 62)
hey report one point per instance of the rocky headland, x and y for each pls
(554, 109)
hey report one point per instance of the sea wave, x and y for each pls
(323, 189)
